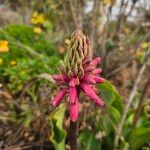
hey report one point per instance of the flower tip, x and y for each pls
(97, 71)
(100, 103)
(53, 103)
(96, 61)
(73, 119)
(59, 97)
(103, 80)
(98, 79)
(103, 103)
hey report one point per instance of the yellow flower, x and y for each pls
(37, 30)
(67, 41)
(4, 46)
(13, 62)
(1, 61)
(35, 13)
(37, 18)
(126, 30)
(145, 45)
(109, 2)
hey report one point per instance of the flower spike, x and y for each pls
(80, 73)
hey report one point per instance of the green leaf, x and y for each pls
(111, 95)
(87, 141)
(139, 137)
(58, 134)
(114, 114)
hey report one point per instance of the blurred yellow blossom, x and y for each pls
(37, 30)
(61, 49)
(1, 61)
(13, 62)
(4, 46)
(109, 2)
(35, 13)
(145, 45)
(67, 41)
(126, 30)
(37, 18)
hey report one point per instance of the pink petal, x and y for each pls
(97, 71)
(87, 61)
(59, 97)
(98, 79)
(73, 95)
(88, 68)
(88, 79)
(74, 110)
(90, 92)
(74, 81)
(60, 78)
(96, 61)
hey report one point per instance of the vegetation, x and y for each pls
(33, 45)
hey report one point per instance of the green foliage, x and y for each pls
(32, 53)
(111, 95)
(113, 101)
(88, 141)
(114, 108)
(26, 116)
(58, 134)
(138, 137)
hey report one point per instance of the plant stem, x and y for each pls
(73, 135)
(140, 105)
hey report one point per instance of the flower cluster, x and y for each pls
(37, 18)
(78, 75)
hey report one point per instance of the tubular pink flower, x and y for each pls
(72, 94)
(96, 61)
(97, 71)
(78, 74)
(98, 79)
(88, 79)
(59, 97)
(60, 78)
(74, 110)
(90, 92)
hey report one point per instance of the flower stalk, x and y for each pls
(73, 135)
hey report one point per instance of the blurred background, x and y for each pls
(34, 35)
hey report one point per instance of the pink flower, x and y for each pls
(79, 75)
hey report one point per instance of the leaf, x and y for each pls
(58, 134)
(113, 102)
(139, 137)
(114, 114)
(111, 95)
(87, 141)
